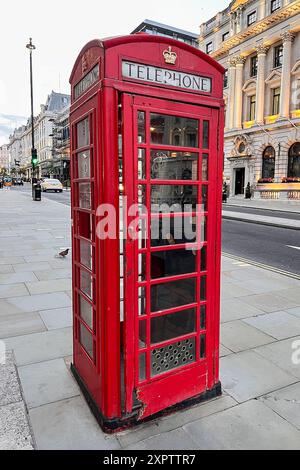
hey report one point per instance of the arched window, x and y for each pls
(268, 165)
(294, 160)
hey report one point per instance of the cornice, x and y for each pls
(263, 25)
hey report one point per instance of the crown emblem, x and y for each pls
(170, 56)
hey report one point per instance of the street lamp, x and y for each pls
(34, 159)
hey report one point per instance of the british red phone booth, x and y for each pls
(146, 162)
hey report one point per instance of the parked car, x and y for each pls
(51, 185)
(18, 182)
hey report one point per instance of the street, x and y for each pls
(273, 246)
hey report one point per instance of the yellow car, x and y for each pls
(51, 185)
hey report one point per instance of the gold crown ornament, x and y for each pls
(170, 56)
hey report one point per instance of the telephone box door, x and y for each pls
(171, 175)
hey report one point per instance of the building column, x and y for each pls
(260, 87)
(262, 9)
(240, 61)
(231, 93)
(285, 92)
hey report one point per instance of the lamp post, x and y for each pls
(31, 48)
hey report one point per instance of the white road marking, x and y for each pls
(295, 247)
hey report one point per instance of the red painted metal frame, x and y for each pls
(102, 376)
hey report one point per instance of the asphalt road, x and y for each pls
(260, 243)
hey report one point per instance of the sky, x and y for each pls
(60, 28)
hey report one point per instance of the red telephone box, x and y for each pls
(147, 147)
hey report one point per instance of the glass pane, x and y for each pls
(167, 165)
(85, 223)
(142, 234)
(204, 198)
(173, 356)
(142, 333)
(205, 135)
(178, 196)
(85, 196)
(142, 367)
(203, 256)
(86, 340)
(86, 253)
(142, 199)
(203, 317)
(83, 134)
(142, 301)
(173, 294)
(203, 228)
(84, 164)
(141, 127)
(172, 263)
(203, 288)
(173, 130)
(202, 346)
(205, 167)
(141, 164)
(86, 312)
(86, 283)
(173, 230)
(172, 326)
(142, 267)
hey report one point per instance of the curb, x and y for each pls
(259, 222)
(267, 267)
(264, 208)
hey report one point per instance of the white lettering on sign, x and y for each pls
(86, 82)
(148, 73)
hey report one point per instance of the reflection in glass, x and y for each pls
(83, 135)
(202, 346)
(142, 301)
(203, 257)
(203, 228)
(141, 164)
(142, 195)
(84, 164)
(173, 130)
(85, 196)
(172, 263)
(141, 127)
(86, 251)
(173, 294)
(84, 224)
(86, 340)
(142, 234)
(86, 283)
(180, 196)
(205, 138)
(205, 167)
(203, 288)
(203, 317)
(142, 367)
(142, 267)
(86, 312)
(173, 230)
(204, 198)
(172, 326)
(142, 333)
(167, 165)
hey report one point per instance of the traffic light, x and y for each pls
(34, 158)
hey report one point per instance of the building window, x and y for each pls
(225, 36)
(276, 101)
(294, 161)
(275, 5)
(226, 79)
(253, 66)
(278, 55)
(251, 18)
(252, 107)
(209, 48)
(268, 163)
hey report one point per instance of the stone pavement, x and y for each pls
(41, 405)
(261, 219)
(274, 205)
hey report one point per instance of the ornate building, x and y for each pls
(4, 157)
(258, 43)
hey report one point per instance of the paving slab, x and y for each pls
(256, 286)
(235, 309)
(249, 426)
(69, 425)
(14, 430)
(14, 278)
(173, 440)
(280, 325)
(53, 274)
(57, 318)
(19, 324)
(31, 267)
(46, 287)
(40, 347)
(13, 290)
(238, 336)
(294, 311)
(270, 302)
(224, 351)
(47, 382)
(286, 403)
(174, 421)
(291, 294)
(248, 375)
(35, 303)
(230, 290)
(281, 354)
(6, 268)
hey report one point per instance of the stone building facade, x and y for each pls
(258, 43)
(4, 157)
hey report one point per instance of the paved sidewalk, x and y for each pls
(274, 205)
(260, 323)
(260, 219)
